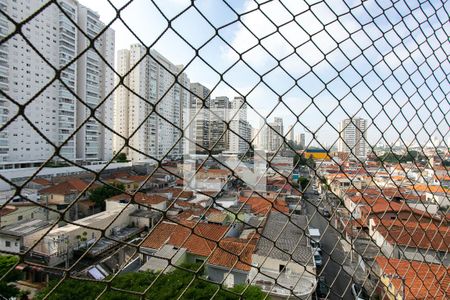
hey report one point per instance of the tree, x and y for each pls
(100, 194)
(121, 157)
(303, 181)
(6, 263)
(167, 286)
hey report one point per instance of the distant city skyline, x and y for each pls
(377, 104)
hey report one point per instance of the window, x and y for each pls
(7, 244)
(282, 268)
(19, 218)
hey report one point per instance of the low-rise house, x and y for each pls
(411, 280)
(231, 262)
(139, 200)
(176, 194)
(18, 237)
(380, 208)
(290, 262)
(261, 206)
(39, 183)
(412, 240)
(164, 259)
(65, 192)
(199, 240)
(59, 243)
(26, 211)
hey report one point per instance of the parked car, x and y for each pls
(322, 288)
(326, 213)
(317, 246)
(359, 293)
(317, 258)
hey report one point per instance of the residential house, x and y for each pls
(139, 200)
(64, 193)
(20, 236)
(407, 280)
(26, 211)
(231, 262)
(59, 243)
(283, 262)
(198, 240)
(412, 240)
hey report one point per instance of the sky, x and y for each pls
(325, 60)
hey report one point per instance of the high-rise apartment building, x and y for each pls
(95, 83)
(353, 136)
(275, 138)
(55, 112)
(300, 140)
(219, 115)
(291, 134)
(153, 112)
(241, 131)
(199, 104)
(270, 136)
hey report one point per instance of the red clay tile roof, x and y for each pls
(202, 241)
(140, 198)
(7, 210)
(237, 254)
(67, 187)
(422, 280)
(428, 188)
(381, 205)
(260, 205)
(417, 235)
(178, 193)
(41, 181)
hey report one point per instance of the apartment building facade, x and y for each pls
(353, 136)
(150, 109)
(55, 111)
(241, 131)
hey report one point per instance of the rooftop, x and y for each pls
(201, 240)
(140, 198)
(67, 187)
(24, 228)
(233, 254)
(289, 234)
(414, 234)
(422, 280)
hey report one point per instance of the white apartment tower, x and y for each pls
(353, 136)
(291, 134)
(199, 104)
(55, 111)
(218, 133)
(151, 115)
(275, 138)
(94, 85)
(241, 131)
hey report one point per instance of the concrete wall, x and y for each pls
(29, 240)
(217, 274)
(14, 243)
(28, 212)
(273, 264)
(100, 221)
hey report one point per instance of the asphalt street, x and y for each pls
(333, 256)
